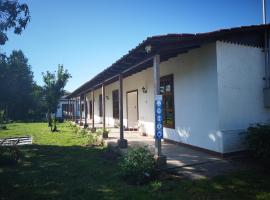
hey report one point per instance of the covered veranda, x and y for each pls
(150, 53)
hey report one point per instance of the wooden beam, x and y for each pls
(103, 107)
(156, 70)
(68, 110)
(161, 160)
(75, 110)
(85, 112)
(93, 109)
(122, 143)
(80, 102)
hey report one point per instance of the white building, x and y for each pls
(212, 86)
(64, 107)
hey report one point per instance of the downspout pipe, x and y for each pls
(266, 49)
(266, 89)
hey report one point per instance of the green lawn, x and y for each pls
(59, 166)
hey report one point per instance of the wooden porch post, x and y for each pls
(93, 110)
(71, 110)
(80, 103)
(122, 143)
(103, 107)
(68, 110)
(105, 133)
(85, 112)
(75, 110)
(161, 159)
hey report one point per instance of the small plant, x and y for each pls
(83, 131)
(156, 186)
(54, 127)
(94, 139)
(2, 120)
(76, 129)
(105, 133)
(138, 166)
(258, 141)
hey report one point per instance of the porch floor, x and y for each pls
(181, 160)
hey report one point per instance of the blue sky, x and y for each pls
(89, 35)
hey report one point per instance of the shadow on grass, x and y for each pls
(56, 172)
(75, 172)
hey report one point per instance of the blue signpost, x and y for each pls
(158, 117)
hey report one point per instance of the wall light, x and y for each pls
(144, 90)
(148, 49)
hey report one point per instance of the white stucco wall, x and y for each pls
(195, 98)
(110, 121)
(97, 92)
(217, 92)
(195, 95)
(240, 89)
(59, 111)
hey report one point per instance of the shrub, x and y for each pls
(10, 155)
(105, 133)
(258, 141)
(83, 131)
(137, 166)
(93, 139)
(77, 129)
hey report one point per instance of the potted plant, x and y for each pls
(105, 133)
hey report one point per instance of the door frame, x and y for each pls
(130, 91)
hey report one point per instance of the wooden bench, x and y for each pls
(16, 141)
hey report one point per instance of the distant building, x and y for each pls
(62, 108)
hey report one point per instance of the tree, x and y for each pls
(14, 16)
(54, 90)
(16, 86)
(38, 108)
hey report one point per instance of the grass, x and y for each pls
(59, 166)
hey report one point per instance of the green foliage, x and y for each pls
(13, 15)
(22, 99)
(54, 127)
(2, 120)
(54, 88)
(138, 165)
(59, 166)
(10, 155)
(38, 109)
(91, 138)
(258, 141)
(83, 131)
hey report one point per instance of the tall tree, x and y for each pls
(16, 86)
(13, 16)
(38, 106)
(54, 89)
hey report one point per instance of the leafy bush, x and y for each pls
(94, 139)
(2, 120)
(77, 129)
(258, 141)
(137, 166)
(10, 155)
(83, 131)
(90, 138)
